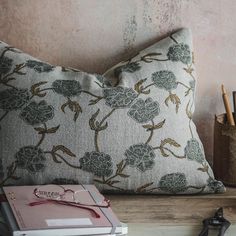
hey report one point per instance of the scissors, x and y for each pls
(218, 221)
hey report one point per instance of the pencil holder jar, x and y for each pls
(224, 157)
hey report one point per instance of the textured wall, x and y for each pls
(94, 34)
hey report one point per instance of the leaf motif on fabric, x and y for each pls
(64, 150)
(143, 187)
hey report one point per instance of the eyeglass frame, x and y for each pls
(70, 203)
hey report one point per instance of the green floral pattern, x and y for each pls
(67, 88)
(140, 156)
(98, 163)
(192, 84)
(173, 183)
(143, 111)
(13, 99)
(193, 151)
(37, 113)
(215, 186)
(5, 65)
(179, 52)
(129, 130)
(31, 158)
(104, 82)
(129, 68)
(64, 181)
(164, 79)
(39, 66)
(119, 97)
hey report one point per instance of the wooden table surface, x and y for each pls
(153, 215)
(177, 215)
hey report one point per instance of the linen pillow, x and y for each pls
(60, 125)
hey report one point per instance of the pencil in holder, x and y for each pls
(224, 156)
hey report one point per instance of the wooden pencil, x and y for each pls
(234, 103)
(229, 114)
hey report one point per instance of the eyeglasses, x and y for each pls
(60, 195)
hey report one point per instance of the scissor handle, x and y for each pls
(223, 228)
(205, 229)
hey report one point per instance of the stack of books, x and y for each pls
(28, 215)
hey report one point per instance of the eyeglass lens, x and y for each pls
(57, 192)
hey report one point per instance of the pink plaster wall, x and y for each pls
(95, 34)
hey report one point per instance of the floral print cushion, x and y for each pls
(129, 130)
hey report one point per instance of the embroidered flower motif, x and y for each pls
(31, 158)
(62, 181)
(98, 163)
(164, 79)
(143, 111)
(179, 52)
(39, 66)
(215, 186)
(37, 113)
(119, 97)
(129, 68)
(67, 88)
(5, 65)
(193, 151)
(103, 80)
(173, 183)
(140, 156)
(192, 84)
(13, 99)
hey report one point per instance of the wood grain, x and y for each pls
(173, 210)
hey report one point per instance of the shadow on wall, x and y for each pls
(88, 35)
(94, 35)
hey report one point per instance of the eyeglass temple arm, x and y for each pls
(66, 204)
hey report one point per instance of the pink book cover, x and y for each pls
(52, 215)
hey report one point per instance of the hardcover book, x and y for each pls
(26, 215)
